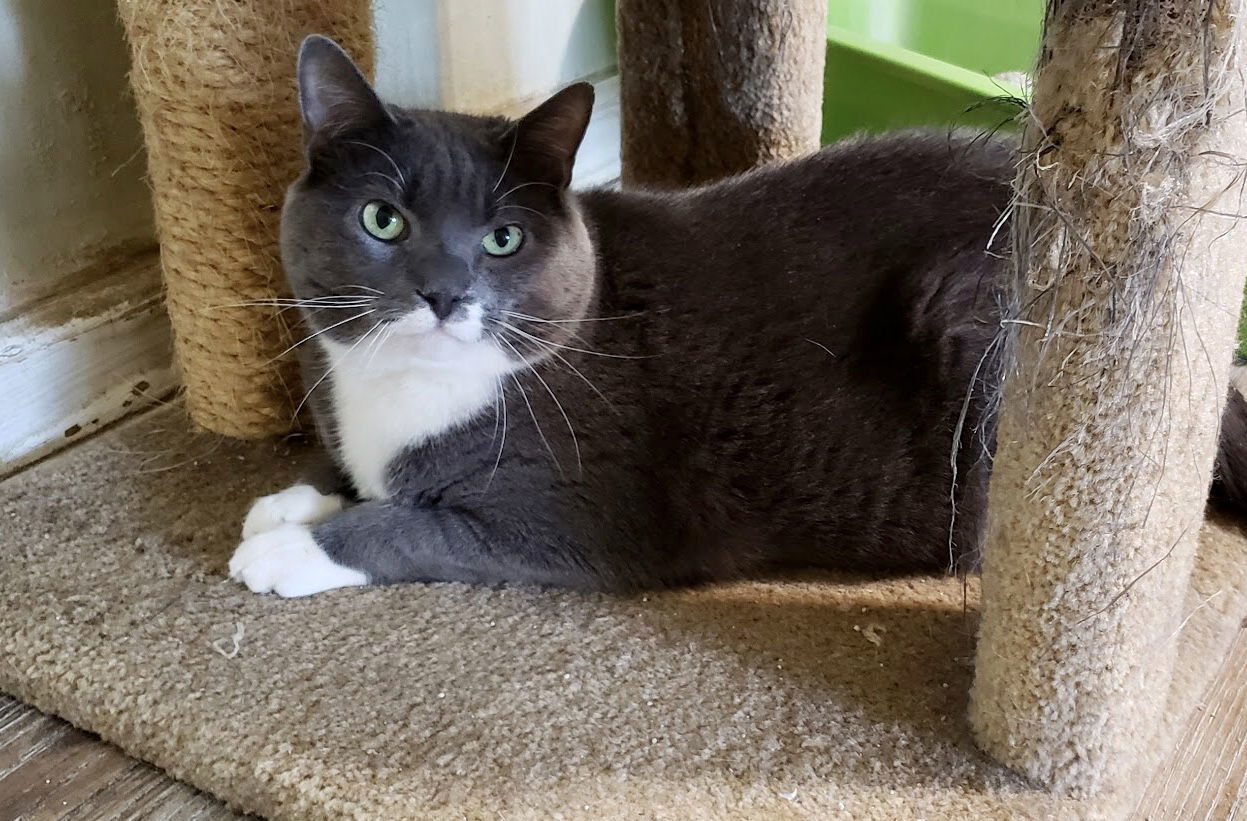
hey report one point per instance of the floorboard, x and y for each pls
(51, 770)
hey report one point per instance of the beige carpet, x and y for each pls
(810, 698)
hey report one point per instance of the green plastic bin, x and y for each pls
(898, 63)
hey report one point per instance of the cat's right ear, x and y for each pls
(333, 94)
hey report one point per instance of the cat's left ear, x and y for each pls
(333, 94)
(545, 140)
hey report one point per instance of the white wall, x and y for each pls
(71, 165)
(486, 55)
(503, 56)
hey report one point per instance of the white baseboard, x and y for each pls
(74, 363)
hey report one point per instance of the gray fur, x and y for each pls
(787, 355)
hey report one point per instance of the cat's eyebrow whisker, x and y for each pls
(502, 197)
(387, 178)
(527, 335)
(385, 154)
(321, 331)
(515, 138)
(522, 208)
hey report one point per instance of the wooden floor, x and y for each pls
(49, 770)
(1206, 776)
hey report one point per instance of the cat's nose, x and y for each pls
(443, 303)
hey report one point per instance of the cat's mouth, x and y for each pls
(463, 326)
(422, 336)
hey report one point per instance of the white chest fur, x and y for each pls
(387, 400)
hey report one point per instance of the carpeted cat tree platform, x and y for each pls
(1107, 600)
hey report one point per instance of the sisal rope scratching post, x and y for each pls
(709, 90)
(215, 88)
(1128, 275)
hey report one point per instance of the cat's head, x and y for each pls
(422, 235)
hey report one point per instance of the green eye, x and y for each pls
(383, 221)
(503, 242)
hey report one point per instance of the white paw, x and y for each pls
(287, 561)
(297, 504)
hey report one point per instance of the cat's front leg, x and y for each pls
(386, 542)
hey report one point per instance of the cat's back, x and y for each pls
(889, 181)
(904, 192)
(850, 241)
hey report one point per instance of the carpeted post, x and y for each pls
(215, 88)
(713, 89)
(1128, 275)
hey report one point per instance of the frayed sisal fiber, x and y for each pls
(216, 93)
(1129, 273)
(714, 89)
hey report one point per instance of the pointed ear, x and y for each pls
(333, 94)
(545, 140)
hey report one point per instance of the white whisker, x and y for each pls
(376, 345)
(349, 301)
(323, 330)
(583, 378)
(530, 318)
(557, 404)
(329, 370)
(541, 433)
(501, 395)
(527, 335)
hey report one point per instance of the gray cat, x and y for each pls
(619, 390)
